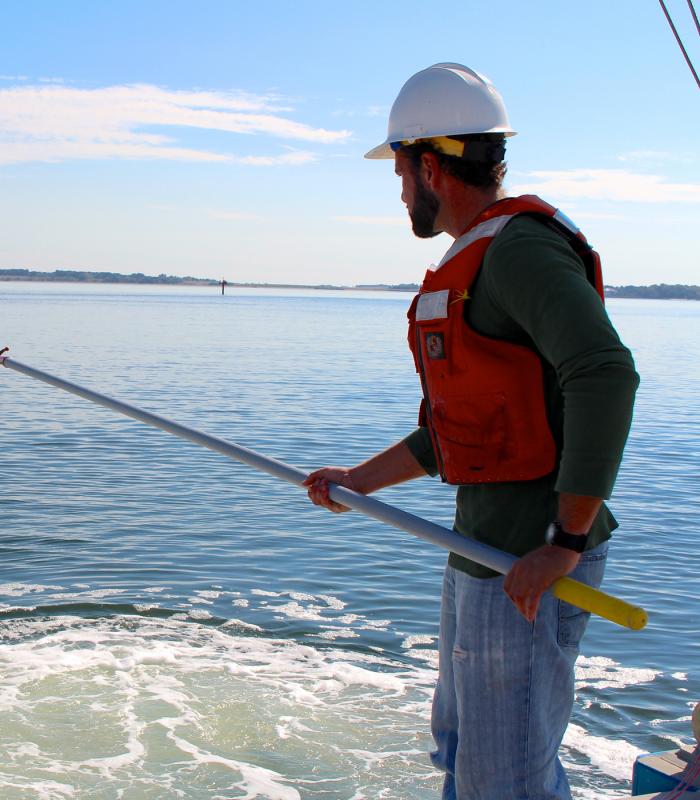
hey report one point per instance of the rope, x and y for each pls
(695, 16)
(690, 775)
(678, 39)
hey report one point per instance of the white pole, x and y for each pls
(497, 560)
(489, 556)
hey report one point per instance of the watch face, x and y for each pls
(549, 533)
(556, 535)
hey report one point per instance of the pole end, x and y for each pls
(637, 618)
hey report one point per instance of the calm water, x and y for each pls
(173, 624)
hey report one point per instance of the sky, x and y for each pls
(226, 139)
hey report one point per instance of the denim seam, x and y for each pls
(527, 709)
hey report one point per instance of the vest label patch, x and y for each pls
(435, 345)
(432, 305)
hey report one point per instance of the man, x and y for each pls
(527, 404)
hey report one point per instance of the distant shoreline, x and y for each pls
(659, 291)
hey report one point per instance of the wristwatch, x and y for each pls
(555, 534)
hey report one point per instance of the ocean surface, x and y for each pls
(176, 625)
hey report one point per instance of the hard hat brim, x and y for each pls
(384, 150)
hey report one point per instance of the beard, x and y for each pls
(424, 211)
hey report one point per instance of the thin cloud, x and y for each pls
(237, 216)
(645, 155)
(295, 158)
(352, 220)
(596, 215)
(367, 111)
(617, 185)
(18, 152)
(655, 157)
(59, 123)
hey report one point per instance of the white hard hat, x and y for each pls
(443, 100)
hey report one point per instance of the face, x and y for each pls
(421, 202)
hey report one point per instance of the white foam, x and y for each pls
(101, 593)
(337, 633)
(208, 594)
(239, 623)
(430, 657)
(373, 759)
(200, 614)
(332, 602)
(88, 595)
(657, 722)
(350, 675)
(375, 624)
(244, 716)
(585, 793)
(362, 623)
(22, 589)
(291, 726)
(302, 605)
(604, 673)
(614, 757)
(295, 610)
(256, 781)
(42, 790)
(412, 641)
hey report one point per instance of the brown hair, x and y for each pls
(483, 169)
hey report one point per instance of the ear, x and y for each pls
(431, 171)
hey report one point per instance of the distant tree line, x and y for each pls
(73, 275)
(658, 291)
(390, 287)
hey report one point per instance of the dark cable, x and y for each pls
(680, 43)
(695, 16)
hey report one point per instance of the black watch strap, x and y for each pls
(556, 534)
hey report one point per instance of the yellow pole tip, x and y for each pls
(637, 618)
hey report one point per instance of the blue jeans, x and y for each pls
(505, 688)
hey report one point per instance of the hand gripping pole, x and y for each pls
(574, 592)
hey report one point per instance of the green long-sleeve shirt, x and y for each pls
(533, 290)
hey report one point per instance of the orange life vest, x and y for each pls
(483, 398)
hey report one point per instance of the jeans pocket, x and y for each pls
(572, 620)
(572, 625)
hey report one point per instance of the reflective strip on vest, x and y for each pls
(561, 217)
(487, 229)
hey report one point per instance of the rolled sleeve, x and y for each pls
(421, 447)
